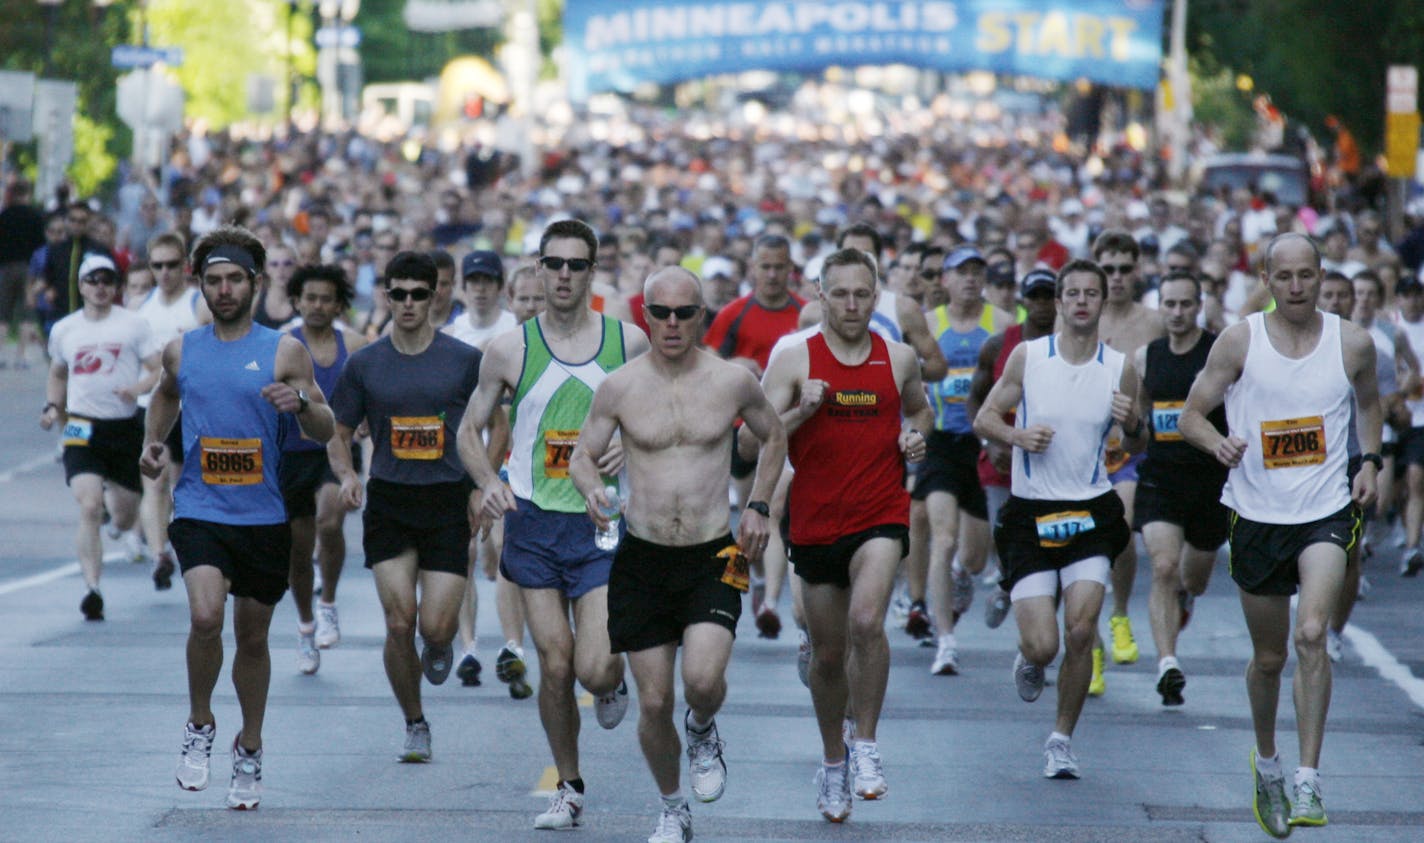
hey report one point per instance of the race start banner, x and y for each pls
(614, 45)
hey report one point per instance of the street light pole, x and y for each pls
(51, 14)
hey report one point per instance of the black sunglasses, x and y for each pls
(104, 280)
(399, 294)
(1118, 268)
(662, 311)
(554, 264)
(162, 265)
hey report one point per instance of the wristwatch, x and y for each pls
(304, 403)
(1375, 459)
(49, 405)
(760, 507)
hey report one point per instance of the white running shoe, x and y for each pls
(997, 608)
(868, 771)
(946, 660)
(328, 626)
(1334, 646)
(674, 825)
(246, 789)
(308, 656)
(1061, 763)
(417, 743)
(961, 589)
(1028, 678)
(610, 708)
(803, 657)
(706, 770)
(833, 797)
(133, 546)
(193, 761)
(564, 811)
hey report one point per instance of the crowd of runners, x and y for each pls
(651, 378)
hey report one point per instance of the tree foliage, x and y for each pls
(392, 53)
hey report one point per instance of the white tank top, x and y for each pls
(1076, 401)
(168, 321)
(1414, 332)
(1295, 417)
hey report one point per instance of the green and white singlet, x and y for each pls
(550, 406)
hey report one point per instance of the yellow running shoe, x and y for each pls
(1098, 686)
(1124, 645)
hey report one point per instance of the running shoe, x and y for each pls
(308, 656)
(1097, 686)
(564, 811)
(245, 791)
(417, 743)
(133, 546)
(1269, 803)
(1170, 685)
(163, 572)
(1186, 602)
(961, 590)
(997, 608)
(436, 661)
(1059, 760)
(1334, 646)
(328, 625)
(1124, 646)
(610, 708)
(1412, 565)
(706, 770)
(92, 606)
(193, 760)
(1028, 678)
(509, 668)
(1364, 589)
(1307, 809)
(803, 657)
(469, 671)
(946, 660)
(674, 825)
(768, 623)
(917, 624)
(900, 606)
(833, 798)
(867, 770)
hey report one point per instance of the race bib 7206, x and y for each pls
(1293, 442)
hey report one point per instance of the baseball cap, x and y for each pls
(718, 265)
(1070, 207)
(95, 262)
(482, 262)
(1408, 284)
(961, 255)
(1037, 278)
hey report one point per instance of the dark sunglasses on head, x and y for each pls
(1118, 268)
(162, 265)
(399, 294)
(554, 264)
(662, 311)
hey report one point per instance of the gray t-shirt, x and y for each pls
(413, 404)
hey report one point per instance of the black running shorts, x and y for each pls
(1265, 557)
(829, 564)
(951, 465)
(431, 520)
(109, 448)
(655, 592)
(1038, 535)
(1186, 496)
(253, 558)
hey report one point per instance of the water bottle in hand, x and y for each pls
(608, 539)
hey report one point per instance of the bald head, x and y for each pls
(1293, 240)
(670, 281)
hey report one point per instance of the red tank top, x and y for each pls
(988, 475)
(850, 475)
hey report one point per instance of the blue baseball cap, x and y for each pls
(482, 262)
(961, 255)
(1038, 278)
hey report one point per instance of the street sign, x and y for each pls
(17, 101)
(55, 101)
(1401, 144)
(132, 55)
(1401, 89)
(338, 36)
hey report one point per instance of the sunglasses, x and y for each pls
(554, 264)
(1118, 268)
(662, 311)
(162, 265)
(929, 274)
(400, 294)
(102, 280)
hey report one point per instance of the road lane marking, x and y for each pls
(51, 575)
(548, 783)
(25, 468)
(1374, 655)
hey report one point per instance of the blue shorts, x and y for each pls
(553, 550)
(1128, 472)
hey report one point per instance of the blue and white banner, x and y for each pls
(616, 44)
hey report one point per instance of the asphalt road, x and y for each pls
(91, 717)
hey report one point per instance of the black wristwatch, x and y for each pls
(49, 405)
(1375, 459)
(760, 507)
(304, 403)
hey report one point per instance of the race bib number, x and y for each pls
(1114, 457)
(1293, 442)
(558, 448)
(417, 437)
(1056, 529)
(1165, 415)
(78, 432)
(737, 573)
(955, 386)
(231, 462)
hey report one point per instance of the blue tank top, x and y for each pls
(232, 439)
(961, 352)
(326, 378)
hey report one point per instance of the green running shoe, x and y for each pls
(1307, 808)
(1269, 804)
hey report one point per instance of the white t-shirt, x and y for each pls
(102, 355)
(168, 321)
(462, 330)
